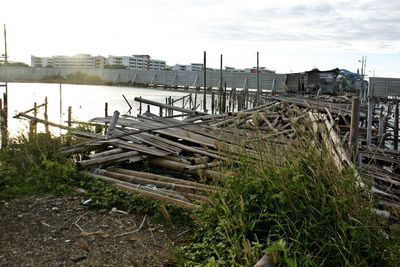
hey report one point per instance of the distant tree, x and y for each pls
(83, 78)
(14, 64)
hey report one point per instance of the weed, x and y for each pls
(294, 205)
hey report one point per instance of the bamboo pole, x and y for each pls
(2, 132)
(46, 116)
(34, 123)
(154, 103)
(153, 195)
(396, 127)
(205, 83)
(69, 117)
(354, 126)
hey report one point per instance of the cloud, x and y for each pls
(375, 22)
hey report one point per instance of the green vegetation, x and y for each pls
(301, 211)
(291, 204)
(14, 64)
(83, 78)
(34, 165)
(75, 78)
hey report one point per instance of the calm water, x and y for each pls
(87, 101)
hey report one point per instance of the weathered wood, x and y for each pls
(145, 181)
(167, 179)
(396, 127)
(46, 116)
(354, 126)
(147, 194)
(107, 159)
(158, 104)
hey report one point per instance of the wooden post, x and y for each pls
(205, 83)
(106, 109)
(1, 124)
(381, 128)
(370, 117)
(148, 108)
(396, 127)
(161, 112)
(354, 125)
(224, 99)
(169, 103)
(213, 102)
(113, 123)
(140, 107)
(60, 104)
(69, 117)
(5, 112)
(220, 92)
(33, 124)
(46, 116)
(258, 83)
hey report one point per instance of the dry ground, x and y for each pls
(64, 232)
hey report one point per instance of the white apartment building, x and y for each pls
(137, 62)
(80, 61)
(86, 61)
(191, 67)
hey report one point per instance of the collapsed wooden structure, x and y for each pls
(190, 150)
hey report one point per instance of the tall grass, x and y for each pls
(294, 205)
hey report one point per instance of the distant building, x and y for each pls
(143, 62)
(80, 61)
(191, 67)
(86, 61)
(261, 70)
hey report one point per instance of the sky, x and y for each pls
(290, 35)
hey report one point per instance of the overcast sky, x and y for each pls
(291, 35)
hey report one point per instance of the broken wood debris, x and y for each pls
(195, 147)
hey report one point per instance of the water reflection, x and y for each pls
(87, 101)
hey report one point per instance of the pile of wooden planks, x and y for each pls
(191, 150)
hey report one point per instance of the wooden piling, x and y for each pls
(69, 117)
(140, 106)
(213, 102)
(220, 91)
(60, 103)
(396, 127)
(354, 126)
(5, 111)
(106, 109)
(258, 83)
(224, 99)
(2, 132)
(205, 83)
(46, 116)
(33, 123)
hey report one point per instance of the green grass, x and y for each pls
(301, 211)
(34, 166)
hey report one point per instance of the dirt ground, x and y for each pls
(64, 232)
